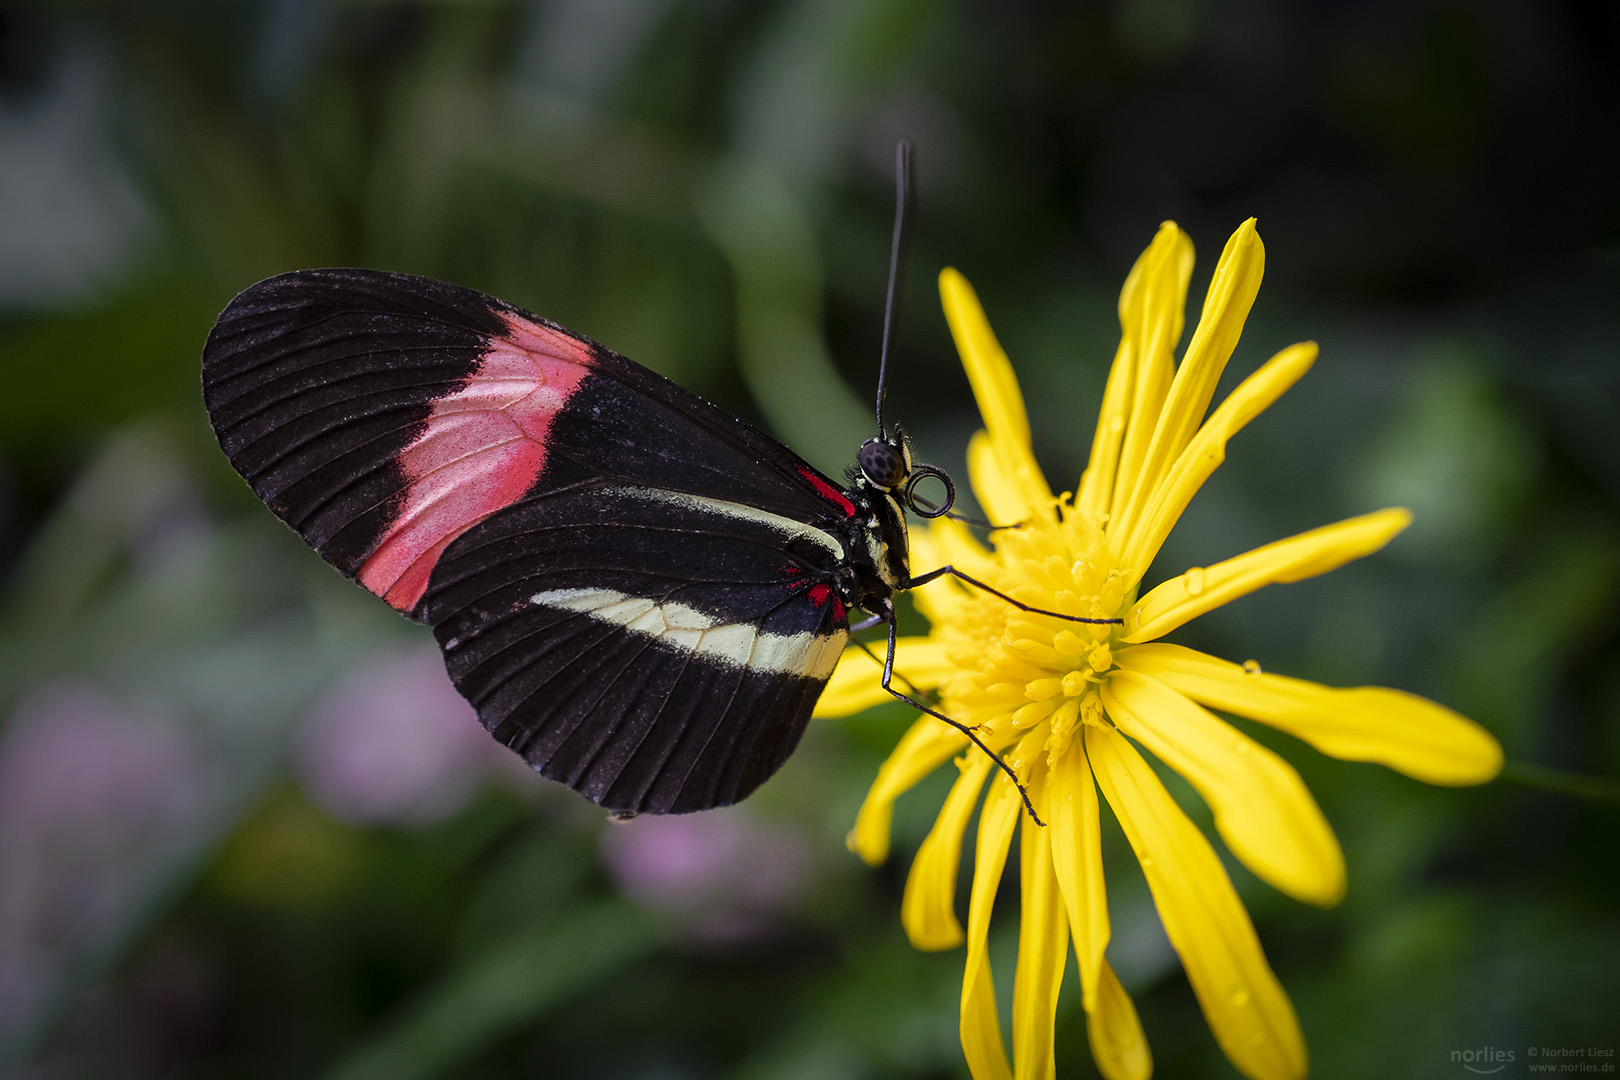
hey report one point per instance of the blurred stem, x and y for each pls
(1576, 785)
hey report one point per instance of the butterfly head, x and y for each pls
(886, 461)
(886, 464)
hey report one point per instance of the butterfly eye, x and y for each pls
(883, 463)
(923, 507)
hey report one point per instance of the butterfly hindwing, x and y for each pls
(544, 502)
(655, 651)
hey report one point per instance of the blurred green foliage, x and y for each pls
(704, 185)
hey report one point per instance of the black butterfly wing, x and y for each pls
(382, 415)
(460, 457)
(654, 651)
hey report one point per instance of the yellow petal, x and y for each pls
(1246, 1008)
(1101, 475)
(1208, 449)
(995, 488)
(1184, 598)
(1115, 1032)
(928, 744)
(855, 686)
(995, 387)
(1226, 307)
(1043, 947)
(928, 910)
(981, 1023)
(925, 545)
(1152, 314)
(1262, 808)
(944, 543)
(954, 543)
(1410, 734)
(1097, 482)
(1231, 294)
(1077, 860)
(857, 682)
(1149, 311)
(1164, 297)
(1130, 294)
(996, 390)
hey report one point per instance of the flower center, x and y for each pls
(1019, 672)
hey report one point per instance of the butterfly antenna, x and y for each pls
(897, 269)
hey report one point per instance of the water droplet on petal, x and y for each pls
(1195, 580)
(1239, 997)
(1251, 668)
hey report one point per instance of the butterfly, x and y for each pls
(641, 595)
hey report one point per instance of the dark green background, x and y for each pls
(705, 187)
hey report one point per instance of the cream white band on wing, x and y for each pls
(786, 526)
(734, 644)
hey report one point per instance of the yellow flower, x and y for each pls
(1071, 706)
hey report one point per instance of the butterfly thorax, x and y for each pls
(878, 554)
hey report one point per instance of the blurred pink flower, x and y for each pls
(92, 798)
(393, 743)
(732, 873)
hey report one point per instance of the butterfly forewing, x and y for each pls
(630, 585)
(316, 384)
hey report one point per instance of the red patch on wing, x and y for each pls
(482, 448)
(828, 492)
(820, 593)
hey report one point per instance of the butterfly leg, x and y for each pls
(888, 678)
(923, 579)
(866, 624)
(910, 686)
